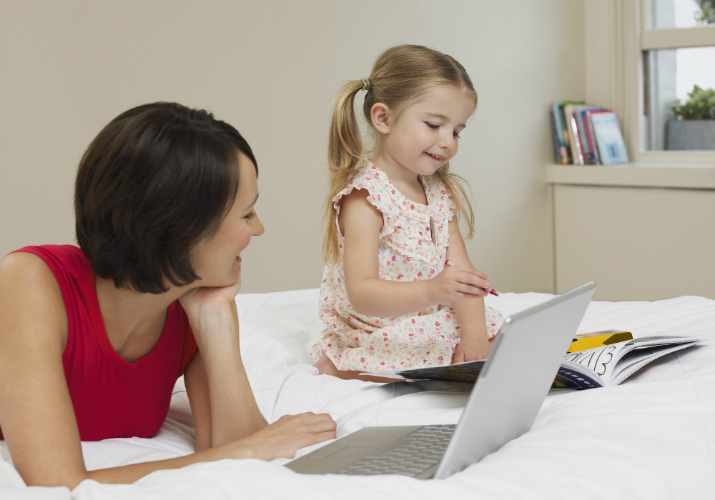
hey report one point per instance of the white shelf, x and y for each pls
(634, 175)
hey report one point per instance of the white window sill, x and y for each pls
(634, 175)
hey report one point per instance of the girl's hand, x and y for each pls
(458, 282)
(288, 434)
(472, 348)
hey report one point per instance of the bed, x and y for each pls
(652, 437)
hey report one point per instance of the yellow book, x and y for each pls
(584, 341)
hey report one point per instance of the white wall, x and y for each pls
(271, 68)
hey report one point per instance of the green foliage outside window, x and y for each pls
(699, 106)
(707, 11)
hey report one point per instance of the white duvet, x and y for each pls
(652, 437)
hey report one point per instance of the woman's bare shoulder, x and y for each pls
(23, 272)
(30, 295)
(23, 262)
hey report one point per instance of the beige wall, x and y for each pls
(635, 242)
(271, 68)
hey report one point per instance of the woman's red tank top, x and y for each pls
(112, 397)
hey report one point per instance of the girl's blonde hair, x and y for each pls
(401, 76)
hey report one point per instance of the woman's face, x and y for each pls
(216, 259)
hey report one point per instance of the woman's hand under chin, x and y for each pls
(205, 299)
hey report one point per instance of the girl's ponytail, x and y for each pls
(344, 153)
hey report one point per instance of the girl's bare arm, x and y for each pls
(360, 224)
(36, 412)
(470, 311)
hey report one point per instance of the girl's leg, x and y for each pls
(326, 367)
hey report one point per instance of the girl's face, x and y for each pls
(425, 135)
(216, 259)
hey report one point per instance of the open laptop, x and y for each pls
(503, 405)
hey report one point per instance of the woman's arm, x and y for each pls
(36, 412)
(469, 312)
(197, 388)
(279, 440)
(219, 392)
(220, 395)
(361, 223)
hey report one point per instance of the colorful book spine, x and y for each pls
(587, 144)
(593, 158)
(592, 137)
(570, 132)
(582, 139)
(576, 150)
(563, 156)
(578, 140)
(565, 134)
(554, 137)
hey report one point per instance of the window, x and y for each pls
(674, 63)
(641, 55)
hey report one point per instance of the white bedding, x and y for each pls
(652, 437)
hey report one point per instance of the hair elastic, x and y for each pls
(365, 84)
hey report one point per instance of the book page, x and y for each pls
(657, 340)
(638, 358)
(600, 361)
(611, 363)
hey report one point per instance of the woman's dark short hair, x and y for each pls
(156, 180)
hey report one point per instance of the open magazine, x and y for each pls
(598, 367)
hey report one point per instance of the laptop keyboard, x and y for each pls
(408, 456)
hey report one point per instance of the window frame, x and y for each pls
(617, 33)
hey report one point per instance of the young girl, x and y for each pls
(389, 299)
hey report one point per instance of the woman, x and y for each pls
(92, 339)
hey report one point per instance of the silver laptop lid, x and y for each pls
(516, 378)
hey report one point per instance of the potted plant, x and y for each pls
(694, 124)
(707, 11)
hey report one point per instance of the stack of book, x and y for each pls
(586, 135)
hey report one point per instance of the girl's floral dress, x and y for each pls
(408, 252)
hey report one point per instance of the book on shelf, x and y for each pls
(560, 132)
(576, 150)
(580, 141)
(588, 130)
(611, 147)
(609, 363)
(557, 146)
(583, 130)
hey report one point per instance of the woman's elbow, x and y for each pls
(202, 446)
(65, 479)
